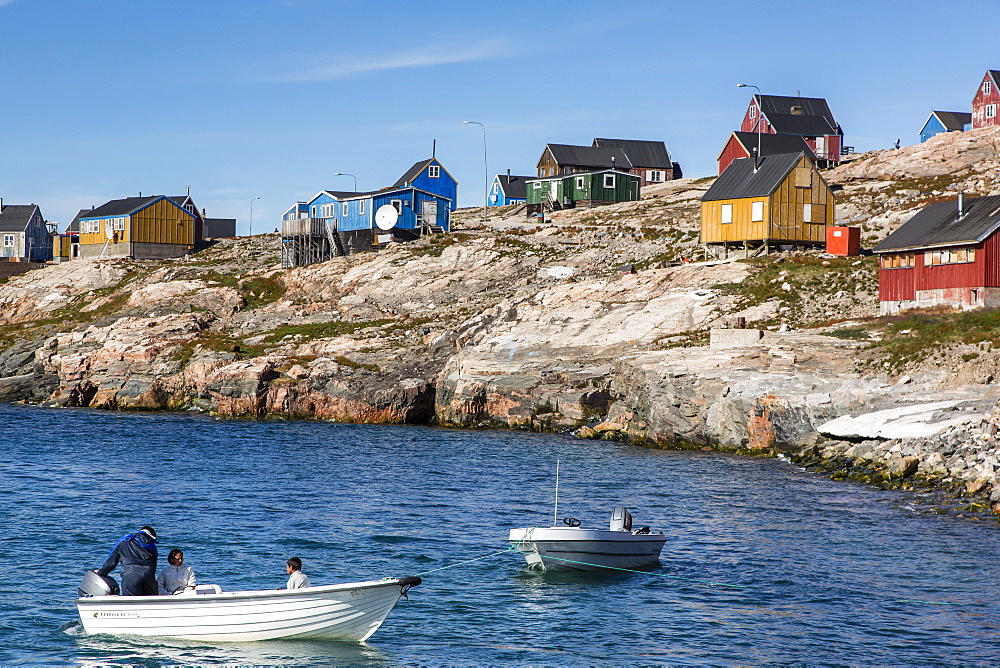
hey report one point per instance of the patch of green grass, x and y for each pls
(916, 335)
(321, 330)
(851, 333)
(257, 291)
(345, 361)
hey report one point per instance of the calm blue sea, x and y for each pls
(821, 572)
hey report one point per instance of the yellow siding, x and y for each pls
(162, 223)
(784, 212)
(713, 230)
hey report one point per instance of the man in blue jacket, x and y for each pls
(137, 554)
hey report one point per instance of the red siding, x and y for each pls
(991, 261)
(979, 102)
(733, 150)
(897, 284)
(942, 276)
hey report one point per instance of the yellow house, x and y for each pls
(782, 199)
(137, 227)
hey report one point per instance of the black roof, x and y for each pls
(411, 173)
(119, 207)
(938, 224)
(809, 126)
(418, 167)
(773, 144)
(953, 120)
(641, 152)
(740, 180)
(513, 186)
(599, 157)
(74, 226)
(15, 217)
(809, 106)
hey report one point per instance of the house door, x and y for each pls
(429, 211)
(821, 148)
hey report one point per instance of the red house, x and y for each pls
(745, 144)
(947, 254)
(984, 104)
(806, 117)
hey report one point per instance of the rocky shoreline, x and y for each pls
(593, 323)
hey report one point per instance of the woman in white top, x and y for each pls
(175, 577)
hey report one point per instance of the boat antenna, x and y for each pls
(555, 513)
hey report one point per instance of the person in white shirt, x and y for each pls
(175, 577)
(296, 578)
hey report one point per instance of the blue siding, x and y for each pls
(410, 206)
(497, 197)
(442, 185)
(931, 127)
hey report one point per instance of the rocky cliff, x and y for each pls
(595, 321)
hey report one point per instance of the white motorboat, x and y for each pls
(351, 611)
(574, 548)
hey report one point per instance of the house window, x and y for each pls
(347, 209)
(807, 213)
(609, 180)
(757, 212)
(654, 176)
(727, 213)
(536, 185)
(496, 188)
(8, 240)
(579, 183)
(991, 110)
(397, 204)
(434, 171)
(120, 224)
(361, 207)
(753, 111)
(987, 87)
(314, 212)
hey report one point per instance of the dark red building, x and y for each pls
(947, 254)
(806, 117)
(986, 101)
(745, 144)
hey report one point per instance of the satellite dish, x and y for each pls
(386, 217)
(109, 229)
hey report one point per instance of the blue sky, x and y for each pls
(245, 98)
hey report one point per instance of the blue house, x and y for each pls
(341, 223)
(945, 121)
(429, 176)
(507, 189)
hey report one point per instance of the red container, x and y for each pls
(843, 241)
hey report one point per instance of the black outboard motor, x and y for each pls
(97, 585)
(621, 519)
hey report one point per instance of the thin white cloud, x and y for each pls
(6, 2)
(427, 56)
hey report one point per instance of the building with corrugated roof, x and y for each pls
(806, 117)
(747, 144)
(947, 254)
(151, 227)
(774, 200)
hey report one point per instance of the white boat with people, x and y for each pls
(351, 611)
(575, 548)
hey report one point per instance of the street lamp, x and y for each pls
(352, 176)
(251, 215)
(759, 114)
(486, 171)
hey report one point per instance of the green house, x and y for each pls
(587, 189)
